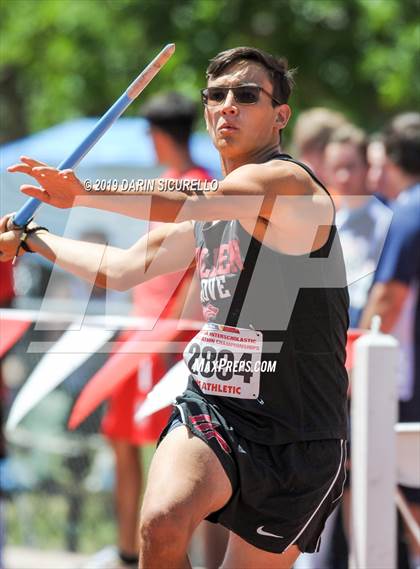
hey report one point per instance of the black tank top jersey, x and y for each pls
(304, 329)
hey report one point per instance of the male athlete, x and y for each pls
(256, 443)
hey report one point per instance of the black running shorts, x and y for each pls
(282, 494)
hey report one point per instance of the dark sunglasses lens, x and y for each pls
(247, 95)
(216, 94)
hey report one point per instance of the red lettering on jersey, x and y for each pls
(223, 258)
(201, 254)
(235, 256)
(214, 270)
(226, 259)
(210, 311)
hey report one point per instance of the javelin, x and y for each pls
(137, 86)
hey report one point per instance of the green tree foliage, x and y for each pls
(65, 58)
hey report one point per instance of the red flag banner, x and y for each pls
(352, 335)
(121, 366)
(11, 332)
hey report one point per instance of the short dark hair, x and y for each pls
(173, 113)
(277, 68)
(351, 134)
(402, 142)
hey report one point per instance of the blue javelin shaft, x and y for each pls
(28, 209)
(31, 205)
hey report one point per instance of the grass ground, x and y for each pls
(42, 518)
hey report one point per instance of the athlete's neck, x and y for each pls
(259, 156)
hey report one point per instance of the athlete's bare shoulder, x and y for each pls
(275, 177)
(288, 178)
(295, 206)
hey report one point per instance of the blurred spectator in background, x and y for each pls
(376, 160)
(7, 294)
(171, 118)
(311, 134)
(395, 294)
(362, 220)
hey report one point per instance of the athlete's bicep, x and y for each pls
(282, 194)
(238, 196)
(166, 249)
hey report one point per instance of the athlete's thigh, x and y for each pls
(185, 475)
(246, 556)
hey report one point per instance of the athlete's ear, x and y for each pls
(283, 113)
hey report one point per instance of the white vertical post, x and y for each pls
(373, 455)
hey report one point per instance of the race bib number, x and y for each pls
(226, 361)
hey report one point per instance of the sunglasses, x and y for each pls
(243, 95)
